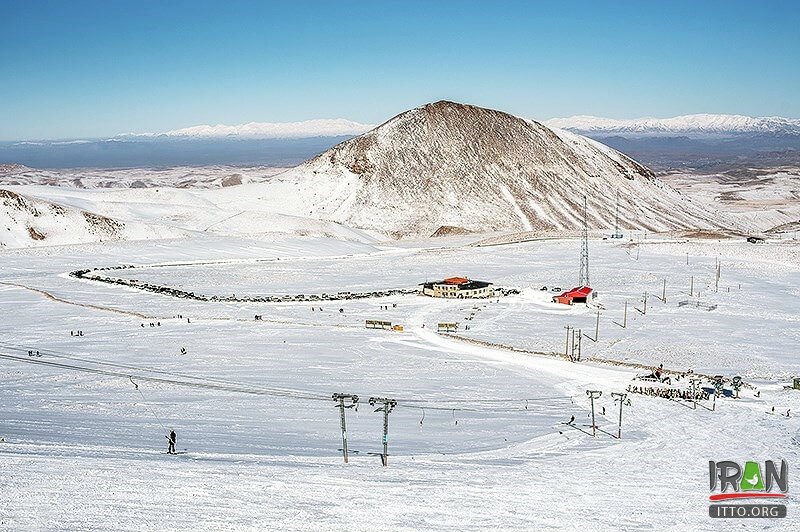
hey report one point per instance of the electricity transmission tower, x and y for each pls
(616, 234)
(583, 277)
(352, 401)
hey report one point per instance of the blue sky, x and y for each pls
(78, 68)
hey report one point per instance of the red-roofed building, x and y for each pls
(456, 280)
(580, 294)
(458, 287)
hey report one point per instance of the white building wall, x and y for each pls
(450, 291)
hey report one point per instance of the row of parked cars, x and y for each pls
(95, 275)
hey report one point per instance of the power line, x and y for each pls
(227, 385)
(492, 400)
(58, 354)
(200, 385)
(385, 405)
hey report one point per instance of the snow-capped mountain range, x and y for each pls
(275, 130)
(688, 125)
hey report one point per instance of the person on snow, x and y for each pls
(172, 439)
(571, 420)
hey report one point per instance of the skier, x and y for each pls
(172, 439)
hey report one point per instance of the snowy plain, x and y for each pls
(477, 440)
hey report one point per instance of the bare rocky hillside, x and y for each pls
(451, 168)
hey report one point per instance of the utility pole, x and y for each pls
(623, 400)
(691, 286)
(388, 406)
(566, 346)
(580, 336)
(625, 316)
(645, 303)
(353, 401)
(664, 292)
(593, 394)
(597, 327)
(716, 284)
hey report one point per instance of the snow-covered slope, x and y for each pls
(30, 222)
(214, 176)
(276, 130)
(172, 212)
(449, 167)
(12, 168)
(699, 124)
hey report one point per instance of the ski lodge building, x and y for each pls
(580, 294)
(458, 288)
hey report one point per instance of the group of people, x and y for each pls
(669, 393)
(76, 333)
(787, 414)
(156, 324)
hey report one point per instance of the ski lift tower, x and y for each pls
(583, 276)
(616, 234)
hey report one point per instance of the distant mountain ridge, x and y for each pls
(275, 130)
(716, 125)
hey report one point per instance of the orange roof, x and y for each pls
(456, 280)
